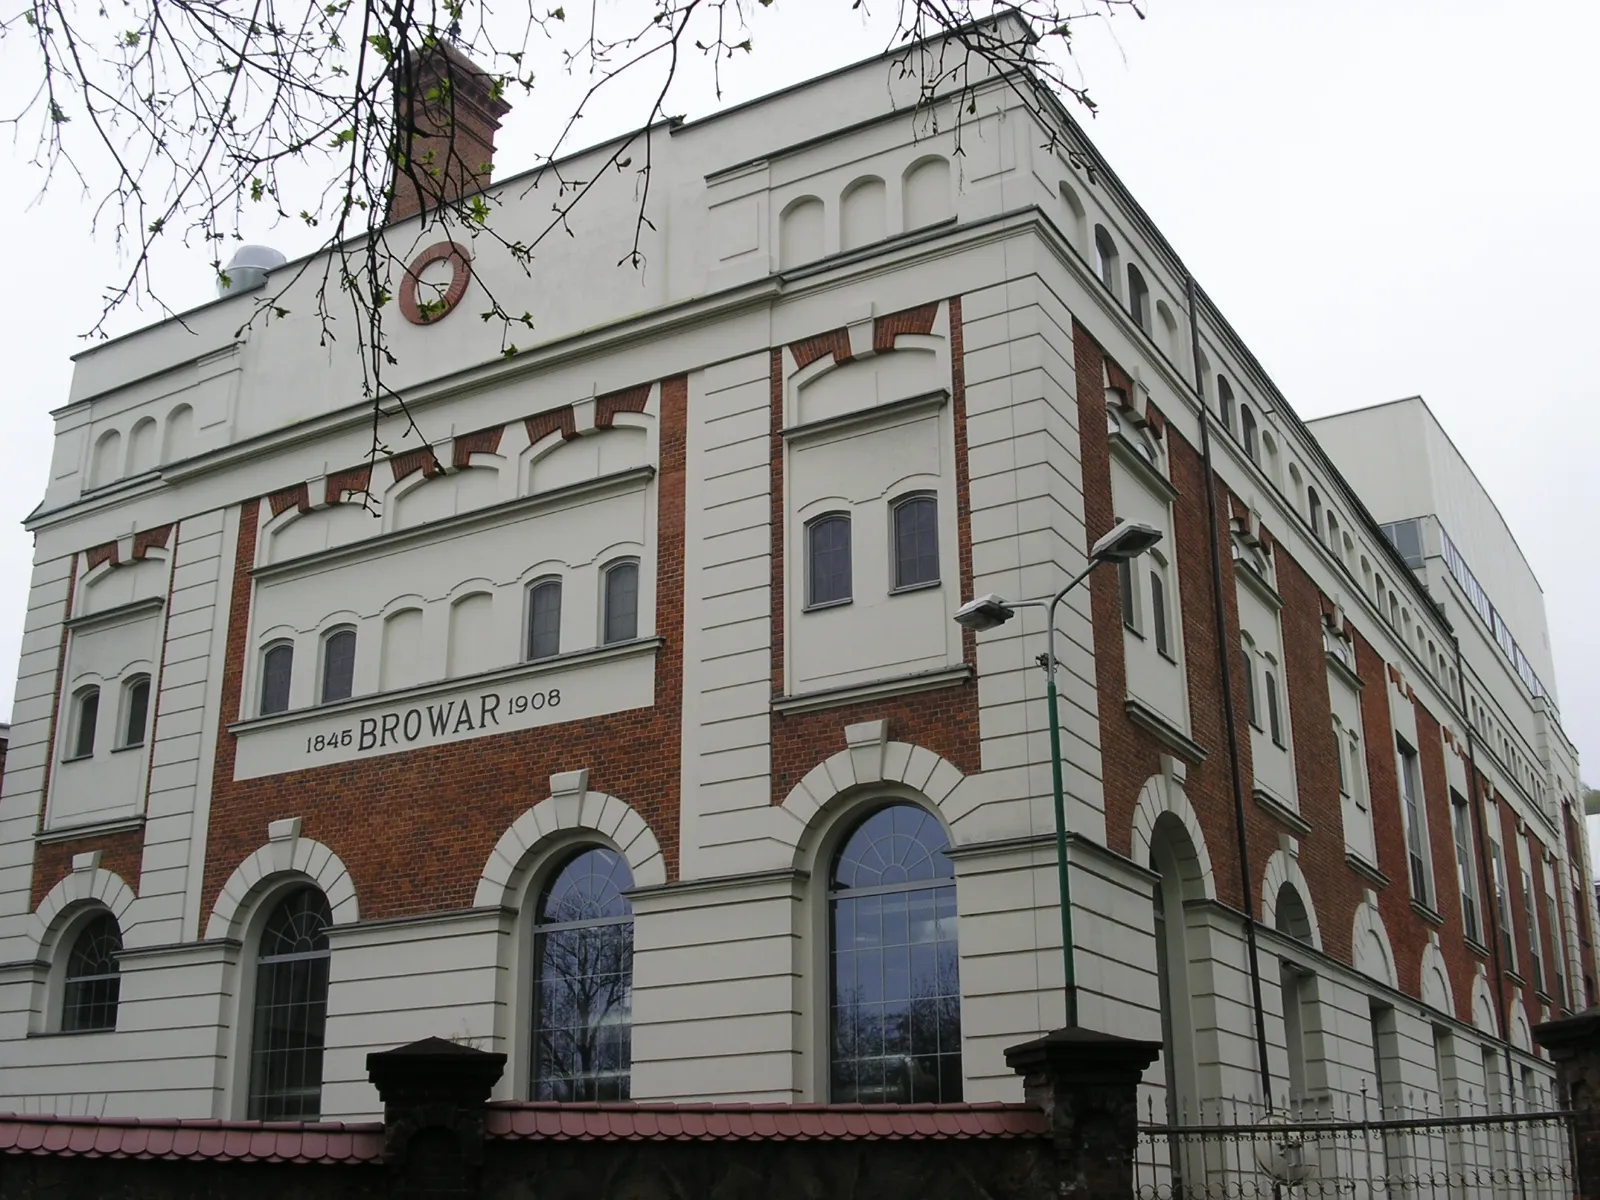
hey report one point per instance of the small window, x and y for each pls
(1338, 753)
(277, 666)
(1130, 598)
(1247, 430)
(1415, 820)
(1274, 721)
(1138, 298)
(622, 603)
(338, 665)
(1225, 402)
(1158, 609)
(93, 981)
(828, 575)
(1251, 706)
(86, 716)
(544, 619)
(916, 541)
(1105, 253)
(135, 710)
(1314, 511)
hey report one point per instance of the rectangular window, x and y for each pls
(828, 549)
(1158, 612)
(1558, 947)
(1530, 904)
(1466, 875)
(1416, 828)
(1338, 753)
(1274, 722)
(1130, 602)
(622, 603)
(1406, 537)
(1294, 1032)
(1502, 904)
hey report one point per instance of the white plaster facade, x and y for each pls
(862, 212)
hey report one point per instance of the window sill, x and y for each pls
(850, 693)
(1344, 670)
(1282, 811)
(1365, 869)
(1133, 629)
(1164, 731)
(68, 1033)
(72, 758)
(1164, 654)
(1515, 978)
(112, 616)
(828, 604)
(915, 587)
(1475, 946)
(1427, 912)
(129, 746)
(67, 833)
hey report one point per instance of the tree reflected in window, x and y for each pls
(896, 1002)
(583, 993)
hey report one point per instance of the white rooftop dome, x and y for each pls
(248, 269)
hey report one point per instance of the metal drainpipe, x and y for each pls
(1229, 719)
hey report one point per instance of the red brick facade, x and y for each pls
(120, 853)
(415, 829)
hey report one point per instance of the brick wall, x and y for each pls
(415, 829)
(121, 853)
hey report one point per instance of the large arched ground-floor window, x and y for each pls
(895, 983)
(290, 1009)
(583, 991)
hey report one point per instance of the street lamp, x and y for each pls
(1127, 540)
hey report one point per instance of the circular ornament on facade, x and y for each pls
(433, 305)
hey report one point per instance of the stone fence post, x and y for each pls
(1087, 1083)
(433, 1094)
(1574, 1046)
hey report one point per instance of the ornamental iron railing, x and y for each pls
(1233, 1150)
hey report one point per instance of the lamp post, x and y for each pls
(1127, 540)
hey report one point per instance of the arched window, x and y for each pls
(916, 541)
(1105, 257)
(277, 667)
(1129, 591)
(1252, 708)
(1158, 605)
(93, 982)
(1338, 753)
(622, 602)
(85, 718)
(896, 990)
(338, 665)
(828, 560)
(135, 710)
(1138, 298)
(1314, 511)
(1247, 430)
(291, 1010)
(544, 619)
(583, 990)
(1290, 916)
(1270, 680)
(1225, 402)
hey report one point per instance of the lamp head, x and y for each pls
(985, 612)
(1128, 539)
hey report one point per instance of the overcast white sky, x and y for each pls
(1386, 197)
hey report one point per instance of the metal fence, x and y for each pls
(1234, 1151)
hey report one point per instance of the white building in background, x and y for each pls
(619, 722)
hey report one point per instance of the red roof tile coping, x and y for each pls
(236, 1141)
(761, 1122)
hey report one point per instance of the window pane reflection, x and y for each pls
(896, 1019)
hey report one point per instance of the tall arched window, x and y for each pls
(92, 981)
(583, 989)
(828, 575)
(1225, 402)
(916, 541)
(277, 668)
(896, 987)
(135, 710)
(1247, 431)
(85, 719)
(1158, 605)
(622, 602)
(1314, 511)
(338, 665)
(1274, 720)
(1138, 298)
(291, 1010)
(1252, 705)
(544, 619)
(1105, 255)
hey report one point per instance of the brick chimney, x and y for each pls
(449, 113)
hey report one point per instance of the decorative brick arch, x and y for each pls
(871, 760)
(1284, 868)
(95, 886)
(1158, 797)
(1436, 990)
(1371, 949)
(285, 854)
(571, 807)
(1520, 1032)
